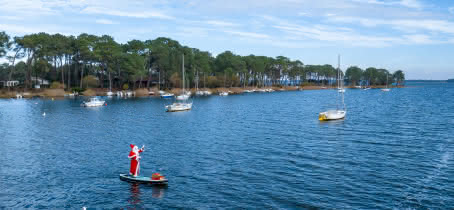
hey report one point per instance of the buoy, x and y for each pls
(106, 104)
(44, 114)
(52, 99)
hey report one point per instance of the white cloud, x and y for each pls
(419, 39)
(220, 23)
(8, 17)
(411, 3)
(248, 34)
(25, 6)
(304, 14)
(14, 29)
(429, 25)
(405, 3)
(336, 36)
(451, 10)
(105, 21)
(135, 14)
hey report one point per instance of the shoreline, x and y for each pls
(60, 93)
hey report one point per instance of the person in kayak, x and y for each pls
(135, 159)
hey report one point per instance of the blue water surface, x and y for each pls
(258, 150)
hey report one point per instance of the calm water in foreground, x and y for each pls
(260, 150)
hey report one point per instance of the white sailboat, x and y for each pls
(386, 89)
(224, 93)
(340, 83)
(336, 114)
(180, 106)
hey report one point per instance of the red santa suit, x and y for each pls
(135, 160)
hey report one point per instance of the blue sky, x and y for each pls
(416, 36)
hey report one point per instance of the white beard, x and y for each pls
(136, 150)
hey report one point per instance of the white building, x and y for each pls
(11, 83)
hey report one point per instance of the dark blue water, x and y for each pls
(260, 150)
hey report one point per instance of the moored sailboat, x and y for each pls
(386, 89)
(180, 106)
(336, 114)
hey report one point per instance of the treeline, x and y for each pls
(99, 61)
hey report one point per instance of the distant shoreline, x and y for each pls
(143, 92)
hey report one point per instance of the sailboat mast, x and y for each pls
(386, 80)
(338, 70)
(338, 80)
(182, 68)
(342, 92)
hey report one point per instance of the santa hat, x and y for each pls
(132, 146)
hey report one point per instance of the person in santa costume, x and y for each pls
(135, 159)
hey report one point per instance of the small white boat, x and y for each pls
(18, 96)
(93, 102)
(178, 107)
(182, 97)
(341, 90)
(167, 95)
(129, 94)
(162, 92)
(199, 93)
(189, 93)
(359, 87)
(332, 115)
(224, 93)
(269, 90)
(110, 93)
(207, 92)
(368, 88)
(120, 93)
(248, 91)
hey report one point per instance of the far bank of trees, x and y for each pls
(99, 61)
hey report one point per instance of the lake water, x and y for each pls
(259, 150)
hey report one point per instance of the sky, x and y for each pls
(416, 36)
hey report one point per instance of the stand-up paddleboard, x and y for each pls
(143, 179)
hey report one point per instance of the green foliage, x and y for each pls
(399, 76)
(90, 81)
(57, 85)
(4, 43)
(125, 86)
(354, 75)
(91, 60)
(78, 90)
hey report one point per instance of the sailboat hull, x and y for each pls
(332, 115)
(179, 107)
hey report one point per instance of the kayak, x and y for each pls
(143, 179)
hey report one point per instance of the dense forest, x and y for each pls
(99, 61)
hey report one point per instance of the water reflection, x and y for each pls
(134, 198)
(135, 193)
(158, 191)
(332, 122)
